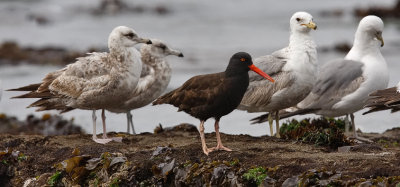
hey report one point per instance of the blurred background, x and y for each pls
(39, 36)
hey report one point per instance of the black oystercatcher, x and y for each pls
(214, 95)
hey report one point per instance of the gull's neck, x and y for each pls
(300, 39)
(363, 44)
(125, 54)
(122, 53)
(121, 50)
(157, 62)
(302, 55)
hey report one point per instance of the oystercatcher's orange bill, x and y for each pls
(260, 72)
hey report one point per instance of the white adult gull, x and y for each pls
(294, 68)
(154, 79)
(94, 82)
(386, 99)
(343, 85)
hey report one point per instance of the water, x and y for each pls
(207, 32)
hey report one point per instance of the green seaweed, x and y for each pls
(115, 182)
(54, 179)
(321, 131)
(256, 175)
(21, 157)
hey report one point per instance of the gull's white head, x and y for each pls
(302, 22)
(124, 36)
(160, 49)
(370, 29)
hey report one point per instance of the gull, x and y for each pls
(386, 99)
(294, 68)
(93, 82)
(154, 79)
(343, 85)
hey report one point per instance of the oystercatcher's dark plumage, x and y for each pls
(214, 95)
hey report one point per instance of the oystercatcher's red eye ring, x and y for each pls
(243, 59)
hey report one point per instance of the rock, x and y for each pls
(92, 163)
(42, 180)
(118, 159)
(291, 182)
(344, 149)
(159, 150)
(166, 168)
(161, 10)
(268, 182)
(180, 176)
(383, 12)
(366, 148)
(365, 184)
(12, 53)
(218, 174)
(45, 125)
(184, 127)
(342, 47)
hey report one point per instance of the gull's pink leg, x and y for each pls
(278, 135)
(270, 122)
(103, 117)
(355, 132)
(97, 140)
(94, 137)
(203, 139)
(128, 127)
(219, 142)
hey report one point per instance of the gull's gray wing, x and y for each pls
(336, 79)
(260, 90)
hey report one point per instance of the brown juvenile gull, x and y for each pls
(343, 85)
(94, 82)
(153, 81)
(386, 99)
(294, 68)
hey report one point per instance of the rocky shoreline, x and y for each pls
(173, 157)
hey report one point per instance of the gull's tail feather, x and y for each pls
(31, 87)
(387, 99)
(283, 114)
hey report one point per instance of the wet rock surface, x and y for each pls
(383, 12)
(12, 53)
(175, 158)
(33, 125)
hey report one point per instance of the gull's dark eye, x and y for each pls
(298, 19)
(130, 35)
(163, 47)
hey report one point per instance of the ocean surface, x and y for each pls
(208, 32)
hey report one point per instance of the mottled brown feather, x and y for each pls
(31, 87)
(387, 99)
